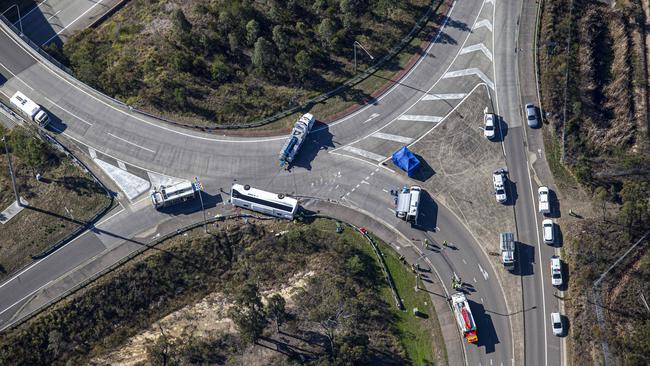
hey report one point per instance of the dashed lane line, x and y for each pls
(130, 143)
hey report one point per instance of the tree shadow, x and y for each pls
(80, 185)
(319, 140)
(525, 257)
(425, 171)
(428, 215)
(194, 205)
(458, 25)
(487, 334)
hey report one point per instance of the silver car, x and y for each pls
(531, 115)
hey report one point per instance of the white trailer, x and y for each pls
(296, 139)
(29, 109)
(164, 196)
(507, 245)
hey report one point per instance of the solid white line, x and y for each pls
(110, 217)
(444, 96)
(364, 153)
(129, 142)
(388, 136)
(419, 118)
(467, 72)
(14, 75)
(477, 47)
(67, 111)
(55, 14)
(74, 21)
(483, 23)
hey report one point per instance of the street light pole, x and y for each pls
(11, 173)
(20, 19)
(355, 44)
(205, 222)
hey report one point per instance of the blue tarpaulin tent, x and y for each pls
(405, 159)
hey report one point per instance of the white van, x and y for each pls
(556, 323)
(548, 231)
(414, 206)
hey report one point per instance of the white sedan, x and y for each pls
(489, 126)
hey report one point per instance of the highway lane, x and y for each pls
(140, 141)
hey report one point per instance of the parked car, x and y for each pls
(489, 126)
(548, 231)
(499, 182)
(531, 115)
(544, 204)
(556, 271)
(556, 323)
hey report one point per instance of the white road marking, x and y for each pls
(483, 23)
(485, 274)
(364, 182)
(372, 116)
(53, 15)
(72, 22)
(477, 47)
(467, 72)
(364, 153)
(14, 75)
(92, 152)
(129, 142)
(388, 136)
(67, 111)
(464, 262)
(357, 186)
(474, 279)
(110, 217)
(420, 118)
(121, 165)
(450, 96)
(384, 189)
(367, 177)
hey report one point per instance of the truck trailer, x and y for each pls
(164, 196)
(296, 139)
(29, 109)
(464, 317)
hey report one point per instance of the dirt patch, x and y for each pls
(206, 319)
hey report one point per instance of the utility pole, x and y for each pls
(200, 186)
(11, 173)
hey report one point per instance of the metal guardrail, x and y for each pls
(393, 52)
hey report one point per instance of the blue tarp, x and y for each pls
(405, 159)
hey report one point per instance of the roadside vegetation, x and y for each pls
(594, 84)
(275, 292)
(60, 203)
(230, 62)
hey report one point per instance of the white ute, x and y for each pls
(489, 127)
(544, 206)
(556, 271)
(556, 323)
(548, 231)
(499, 182)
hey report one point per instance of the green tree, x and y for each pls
(27, 148)
(280, 38)
(263, 56)
(180, 21)
(326, 32)
(275, 310)
(303, 63)
(248, 313)
(220, 71)
(252, 31)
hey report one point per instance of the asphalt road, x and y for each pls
(47, 21)
(342, 162)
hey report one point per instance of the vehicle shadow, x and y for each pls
(321, 139)
(487, 334)
(511, 188)
(566, 274)
(424, 172)
(56, 124)
(502, 129)
(558, 237)
(554, 205)
(525, 256)
(192, 206)
(428, 215)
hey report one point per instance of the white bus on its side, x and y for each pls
(265, 202)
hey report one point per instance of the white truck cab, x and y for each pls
(499, 182)
(544, 205)
(556, 271)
